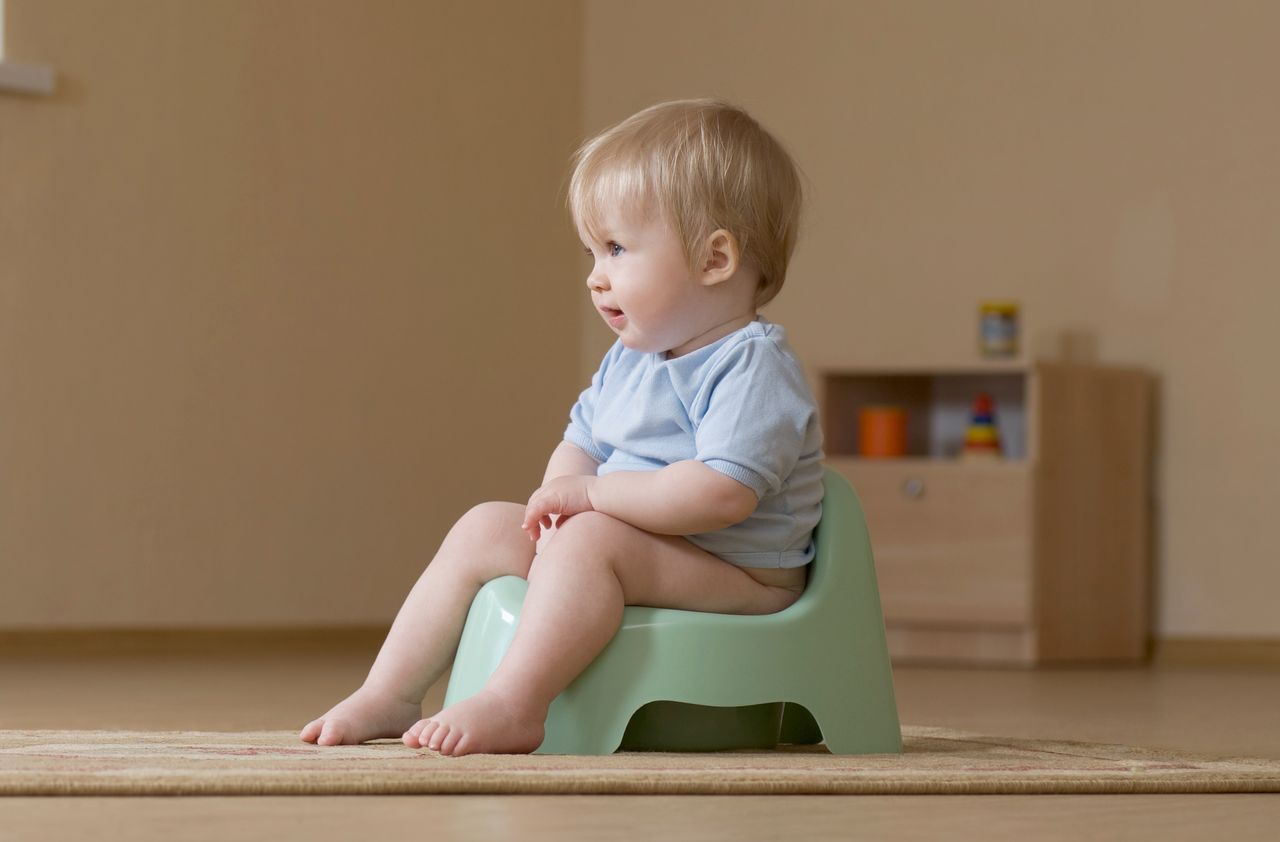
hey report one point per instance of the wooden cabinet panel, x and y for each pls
(1042, 556)
(952, 543)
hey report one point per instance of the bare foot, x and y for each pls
(364, 715)
(486, 723)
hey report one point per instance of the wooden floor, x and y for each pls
(1212, 710)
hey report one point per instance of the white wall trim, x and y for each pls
(19, 77)
(26, 78)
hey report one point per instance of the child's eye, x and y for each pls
(613, 246)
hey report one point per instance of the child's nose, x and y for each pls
(596, 281)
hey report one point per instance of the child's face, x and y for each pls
(644, 290)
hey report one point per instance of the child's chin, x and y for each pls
(633, 344)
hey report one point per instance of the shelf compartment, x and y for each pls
(938, 407)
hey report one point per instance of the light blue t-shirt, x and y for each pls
(740, 405)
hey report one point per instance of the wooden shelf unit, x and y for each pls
(1042, 556)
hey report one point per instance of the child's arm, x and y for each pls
(684, 498)
(569, 460)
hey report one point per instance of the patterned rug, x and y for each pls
(935, 761)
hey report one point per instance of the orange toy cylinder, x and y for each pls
(882, 432)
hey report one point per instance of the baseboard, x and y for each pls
(189, 641)
(1214, 651)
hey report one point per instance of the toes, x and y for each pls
(451, 741)
(311, 731)
(331, 734)
(437, 737)
(429, 727)
(411, 737)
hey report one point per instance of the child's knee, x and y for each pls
(580, 539)
(591, 529)
(492, 544)
(493, 521)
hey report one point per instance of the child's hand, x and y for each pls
(563, 496)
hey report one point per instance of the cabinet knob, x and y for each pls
(913, 488)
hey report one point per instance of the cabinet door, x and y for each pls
(952, 541)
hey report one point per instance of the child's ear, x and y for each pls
(722, 258)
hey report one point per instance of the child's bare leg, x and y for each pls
(485, 543)
(577, 589)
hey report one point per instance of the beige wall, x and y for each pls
(285, 287)
(1116, 166)
(254, 254)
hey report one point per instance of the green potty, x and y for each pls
(673, 680)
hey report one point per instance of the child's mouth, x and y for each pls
(615, 318)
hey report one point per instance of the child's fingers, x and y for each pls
(541, 512)
(534, 516)
(536, 510)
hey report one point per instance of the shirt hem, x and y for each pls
(751, 479)
(785, 559)
(576, 438)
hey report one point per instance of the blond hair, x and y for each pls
(703, 164)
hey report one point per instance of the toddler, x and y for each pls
(690, 474)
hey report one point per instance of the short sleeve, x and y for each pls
(582, 415)
(759, 411)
